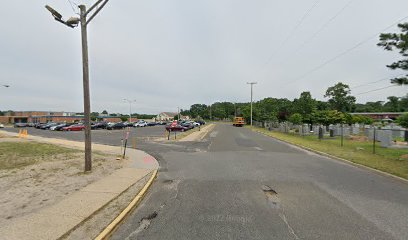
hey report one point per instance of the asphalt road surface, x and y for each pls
(238, 184)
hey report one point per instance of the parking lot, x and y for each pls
(109, 137)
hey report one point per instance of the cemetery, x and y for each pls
(383, 147)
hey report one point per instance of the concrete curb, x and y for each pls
(338, 158)
(109, 229)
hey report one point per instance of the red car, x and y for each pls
(77, 127)
(175, 127)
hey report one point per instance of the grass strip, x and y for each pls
(390, 160)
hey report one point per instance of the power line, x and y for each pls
(382, 79)
(324, 26)
(72, 6)
(291, 33)
(378, 89)
(345, 52)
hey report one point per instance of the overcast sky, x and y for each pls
(169, 53)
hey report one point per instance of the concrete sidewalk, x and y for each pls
(198, 135)
(54, 221)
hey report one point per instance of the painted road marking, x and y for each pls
(258, 148)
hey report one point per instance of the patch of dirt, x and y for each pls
(359, 138)
(27, 189)
(403, 157)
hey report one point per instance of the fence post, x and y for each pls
(374, 142)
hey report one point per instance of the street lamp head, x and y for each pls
(73, 21)
(54, 13)
(6, 85)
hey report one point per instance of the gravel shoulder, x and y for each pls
(45, 178)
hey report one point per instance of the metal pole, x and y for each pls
(251, 104)
(342, 134)
(374, 141)
(252, 84)
(178, 113)
(130, 112)
(87, 104)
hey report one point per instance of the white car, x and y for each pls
(140, 124)
(1, 125)
(196, 124)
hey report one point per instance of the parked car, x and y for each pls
(151, 124)
(18, 125)
(196, 124)
(116, 126)
(99, 125)
(141, 123)
(187, 125)
(39, 125)
(75, 127)
(1, 125)
(48, 126)
(201, 122)
(175, 127)
(60, 126)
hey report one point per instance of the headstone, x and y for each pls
(370, 133)
(320, 133)
(385, 137)
(346, 131)
(406, 136)
(331, 133)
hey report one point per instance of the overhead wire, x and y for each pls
(377, 81)
(378, 89)
(345, 52)
(72, 6)
(324, 26)
(291, 33)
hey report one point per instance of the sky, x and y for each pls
(174, 53)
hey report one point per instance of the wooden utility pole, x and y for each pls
(73, 22)
(252, 84)
(87, 101)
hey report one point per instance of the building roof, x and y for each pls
(378, 113)
(169, 114)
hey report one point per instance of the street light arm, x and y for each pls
(93, 6)
(97, 11)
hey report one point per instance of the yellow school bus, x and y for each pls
(239, 121)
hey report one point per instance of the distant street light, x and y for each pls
(252, 84)
(5, 85)
(73, 22)
(130, 107)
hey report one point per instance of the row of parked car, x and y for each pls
(80, 126)
(185, 125)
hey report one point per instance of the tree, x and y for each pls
(393, 104)
(329, 117)
(305, 105)
(403, 120)
(123, 118)
(340, 98)
(296, 118)
(398, 41)
(104, 112)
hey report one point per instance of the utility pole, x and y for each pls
(252, 84)
(130, 108)
(73, 22)
(210, 112)
(235, 109)
(178, 113)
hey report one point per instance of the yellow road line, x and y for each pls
(108, 230)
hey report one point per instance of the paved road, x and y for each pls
(215, 190)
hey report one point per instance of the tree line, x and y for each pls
(305, 109)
